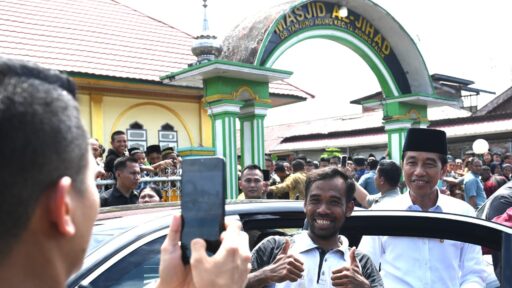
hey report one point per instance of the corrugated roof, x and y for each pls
(318, 144)
(101, 37)
(494, 103)
(368, 136)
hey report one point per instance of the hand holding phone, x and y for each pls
(229, 267)
(203, 189)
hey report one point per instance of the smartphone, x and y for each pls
(203, 190)
(344, 161)
(266, 175)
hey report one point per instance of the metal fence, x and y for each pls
(170, 186)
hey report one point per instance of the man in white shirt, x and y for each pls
(423, 262)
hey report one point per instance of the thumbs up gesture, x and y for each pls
(286, 267)
(349, 275)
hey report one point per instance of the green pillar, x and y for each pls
(228, 86)
(224, 115)
(399, 117)
(396, 136)
(252, 116)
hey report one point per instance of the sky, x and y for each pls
(462, 38)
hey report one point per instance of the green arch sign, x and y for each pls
(368, 30)
(324, 20)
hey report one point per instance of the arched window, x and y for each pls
(137, 136)
(167, 136)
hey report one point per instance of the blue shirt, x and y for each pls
(474, 187)
(367, 181)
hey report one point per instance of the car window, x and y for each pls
(136, 269)
(258, 235)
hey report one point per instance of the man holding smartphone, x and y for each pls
(47, 226)
(318, 257)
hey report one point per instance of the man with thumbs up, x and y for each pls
(318, 257)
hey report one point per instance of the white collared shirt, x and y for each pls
(305, 250)
(425, 262)
(375, 202)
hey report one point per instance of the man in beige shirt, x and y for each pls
(295, 184)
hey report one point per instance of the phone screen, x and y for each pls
(266, 175)
(203, 188)
(344, 161)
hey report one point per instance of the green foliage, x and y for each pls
(329, 152)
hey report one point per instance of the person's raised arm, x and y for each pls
(361, 195)
(229, 267)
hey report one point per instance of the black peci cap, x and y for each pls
(426, 140)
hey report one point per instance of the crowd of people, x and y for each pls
(46, 228)
(472, 179)
(127, 166)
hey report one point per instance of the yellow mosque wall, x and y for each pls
(103, 113)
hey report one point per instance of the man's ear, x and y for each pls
(444, 170)
(349, 208)
(60, 207)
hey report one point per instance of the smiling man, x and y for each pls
(318, 257)
(421, 262)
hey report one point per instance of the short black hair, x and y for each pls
(116, 133)
(328, 173)
(390, 171)
(43, 141)
(251, 167)
(298, 165)
(301, 157)
(372, 163)
(279, 167)
(122, 162)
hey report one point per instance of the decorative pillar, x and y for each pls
(224, 115)
(252, 130)
(397, 130)
(97, 117)
(228, 86)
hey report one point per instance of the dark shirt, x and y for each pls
(114, 197)
(110, 159)
(267, 251)
(499, 202)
